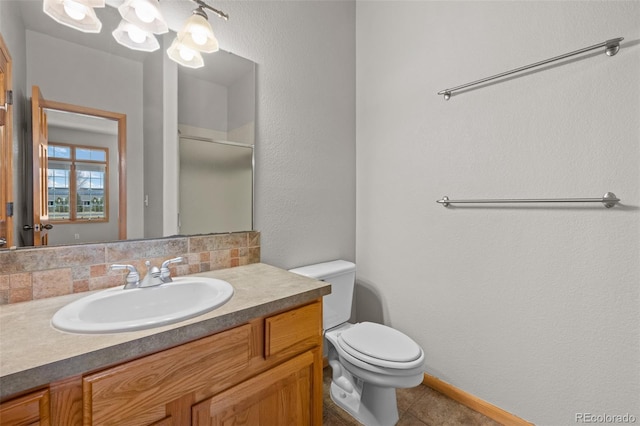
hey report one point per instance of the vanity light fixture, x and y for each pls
(129, 35)
(145, 15)
(141, 19)
(77, 14)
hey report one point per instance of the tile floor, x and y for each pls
(419, 406)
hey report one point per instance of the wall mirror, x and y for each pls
(189, 134)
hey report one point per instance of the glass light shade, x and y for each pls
(74, 10)
(145, 15)
(184, 55)
(94, 3)
(197, 34)
(134, 38)
(76, 14)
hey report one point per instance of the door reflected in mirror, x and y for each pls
(77, 153)
(83, 178)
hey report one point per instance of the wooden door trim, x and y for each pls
(7, 167)
(121, 120)
(39, 140)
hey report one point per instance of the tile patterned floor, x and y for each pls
(419, 406)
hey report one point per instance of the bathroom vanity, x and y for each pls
(255, 360)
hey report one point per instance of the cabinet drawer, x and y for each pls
(32, 409)
(300, 327)
(137, 392)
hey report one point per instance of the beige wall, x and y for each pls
(531, 308)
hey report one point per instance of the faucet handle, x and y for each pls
(166, 263)
(133, 277)
(165, 275)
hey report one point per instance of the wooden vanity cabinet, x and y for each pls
(265, 372)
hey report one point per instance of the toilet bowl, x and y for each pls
(368, 360)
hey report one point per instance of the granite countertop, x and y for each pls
(33, 353)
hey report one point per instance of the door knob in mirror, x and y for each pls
(38, 227)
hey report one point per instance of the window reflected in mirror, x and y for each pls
(78, 183)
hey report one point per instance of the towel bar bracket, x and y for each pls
(612, 46)
(609, 199)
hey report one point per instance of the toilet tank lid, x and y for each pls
(325, 269)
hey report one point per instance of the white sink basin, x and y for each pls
(116, 310)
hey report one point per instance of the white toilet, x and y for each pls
(369, 361)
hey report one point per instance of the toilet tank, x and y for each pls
(341, 275)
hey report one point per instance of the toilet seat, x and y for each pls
(382, 346)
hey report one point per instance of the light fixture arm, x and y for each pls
(203, 5)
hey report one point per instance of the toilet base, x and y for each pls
(369, 404)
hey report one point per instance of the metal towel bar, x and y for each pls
(608, 200)
(612, 46)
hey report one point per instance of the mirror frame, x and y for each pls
(121, 120)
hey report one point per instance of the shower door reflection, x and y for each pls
(215, 186)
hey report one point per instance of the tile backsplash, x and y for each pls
(29, 274)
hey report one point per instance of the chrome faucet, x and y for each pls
(152, 278)
(155, 276)
(159, 276)
(133, 277)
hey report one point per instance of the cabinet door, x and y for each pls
(281, 396)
